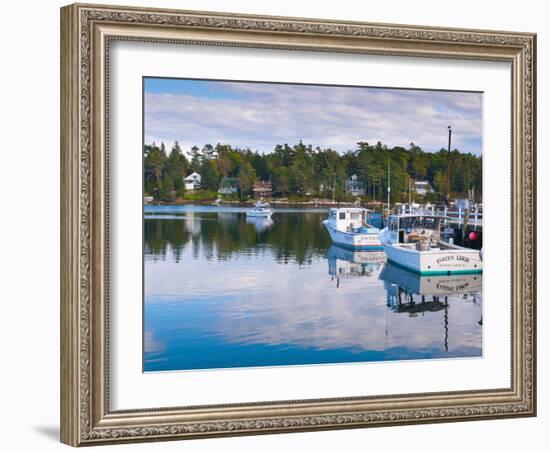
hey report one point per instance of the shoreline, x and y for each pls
(273, 202)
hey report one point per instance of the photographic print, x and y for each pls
(303, 229)
(293, 224)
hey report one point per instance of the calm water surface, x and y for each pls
(225, 291)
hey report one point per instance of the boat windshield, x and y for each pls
(430, 223)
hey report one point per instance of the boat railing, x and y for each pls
(456, 214)
(475, 216)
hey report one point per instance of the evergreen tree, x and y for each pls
(196, 158)
(281, 181)
(301, 169)
(208, 152)
(166, 192)
(154, 167)
(177, 166)
(245, 179)
(210, 179)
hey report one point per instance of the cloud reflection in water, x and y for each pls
(236, 296)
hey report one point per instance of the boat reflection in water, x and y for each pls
(416, 295)
(260, 223)
(343, 263)
(440, 285)
(224, 291)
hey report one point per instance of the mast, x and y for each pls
(448, 193)
(410, 194)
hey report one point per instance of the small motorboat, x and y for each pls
(261, 209)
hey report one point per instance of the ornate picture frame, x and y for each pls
(87, 32)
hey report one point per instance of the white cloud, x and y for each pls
(259, 116)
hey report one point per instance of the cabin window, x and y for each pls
(355, 216)
(406, 222)
(342, 216)
(430, 222)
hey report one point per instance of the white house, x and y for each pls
(355, 186)
(192, 181)
(422, 187)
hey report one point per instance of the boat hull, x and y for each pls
(353, 241)
(433, 262)
(260, 214)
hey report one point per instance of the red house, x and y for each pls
(262, 189)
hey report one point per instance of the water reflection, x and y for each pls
(260, 223)
(417, 295)
(225, 233)
(221, 291)
(401, 280)
(344, 263)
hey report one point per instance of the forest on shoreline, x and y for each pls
(302, 171)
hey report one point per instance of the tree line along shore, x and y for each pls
(305, 174)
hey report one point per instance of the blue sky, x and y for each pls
(261, 115)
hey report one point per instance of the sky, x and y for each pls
(261, 115)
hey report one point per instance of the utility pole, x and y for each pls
(448, 193)
(389, 188)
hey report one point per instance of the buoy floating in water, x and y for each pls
(472, 236)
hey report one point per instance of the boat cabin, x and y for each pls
(261, 205)
(349, 220)
(420, 231)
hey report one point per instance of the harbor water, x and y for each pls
(224, 291)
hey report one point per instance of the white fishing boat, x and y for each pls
(260, 210)
(414, 242)
(348, 228)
